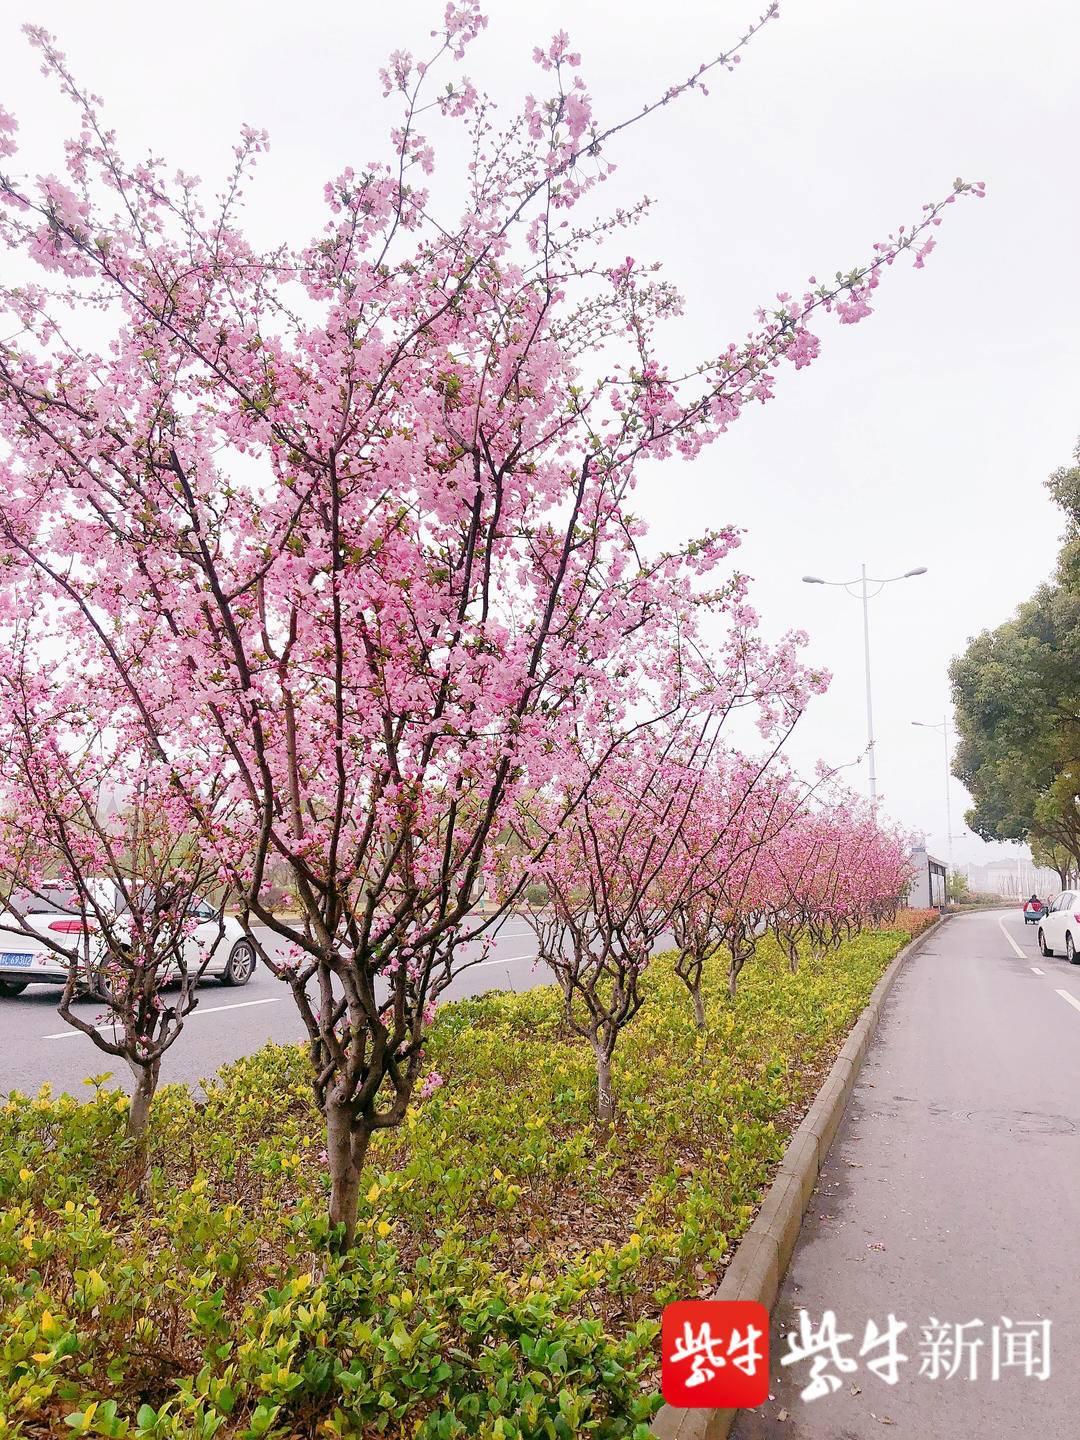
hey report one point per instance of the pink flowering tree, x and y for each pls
(90, 824)
(746, 809)
(876, 859)
(801, 869)
(640, 848)
(806, 863)
(838, 868)
(349, 519)
(607, 896)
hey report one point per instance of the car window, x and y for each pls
(64, 899)
(48, 900)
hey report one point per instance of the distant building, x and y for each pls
(928, 886)
(1012, 877)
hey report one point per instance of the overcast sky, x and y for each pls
(920, 437)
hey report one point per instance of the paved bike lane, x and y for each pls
(951, 1192)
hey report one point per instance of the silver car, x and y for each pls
(55, 910)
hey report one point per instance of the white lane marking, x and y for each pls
(504, 960)
(273, 999)
(1036, 971)
(1073, 1001)
(1010, 939)
(236, 1005)
(211, 1010)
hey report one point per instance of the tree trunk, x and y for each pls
(146, 1080)
(346, 1147)
(138, 1117)
(699, 1004)
(732, 979)
(605, 1100)
(689, 969)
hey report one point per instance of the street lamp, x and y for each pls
(867, 595)
(943, 726)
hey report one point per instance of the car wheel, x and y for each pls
(1070, 951)
(102, 990)
(241, 964)
(13, 987)
(1043, 947)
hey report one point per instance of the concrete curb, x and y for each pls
(759, 1264)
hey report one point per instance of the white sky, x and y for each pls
(920, 437)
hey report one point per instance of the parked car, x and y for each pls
(26, 960)
(1059, 929)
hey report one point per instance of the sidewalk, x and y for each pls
(952, 1191)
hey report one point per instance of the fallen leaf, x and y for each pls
(782, 1416)
(855, 1390)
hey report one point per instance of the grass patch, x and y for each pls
(511, 1260)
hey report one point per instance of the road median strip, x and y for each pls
(760, 1262)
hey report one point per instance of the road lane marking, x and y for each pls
(504, 960)
(1073, 1001)
(194, 1015)
(236, 1005)
(1036, 971)
(1010, 939)
(273, 999)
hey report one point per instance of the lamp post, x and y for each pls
(866, 594)
(943, 726)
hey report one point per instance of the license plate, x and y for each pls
(16, 961)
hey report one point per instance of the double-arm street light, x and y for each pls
(866, 594)
(943, 726)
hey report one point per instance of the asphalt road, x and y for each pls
(37, 1047)
(952, 1191)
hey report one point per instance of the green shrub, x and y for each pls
(511, 1260)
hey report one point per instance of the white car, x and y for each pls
(25, 960)
(1059, 929)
